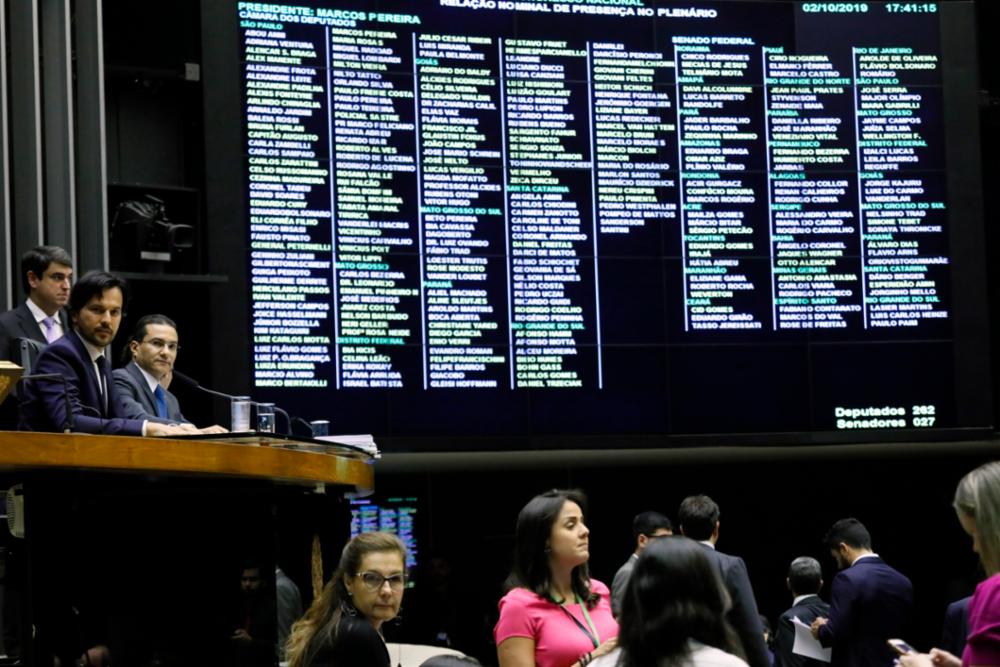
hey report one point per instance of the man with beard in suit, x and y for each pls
(870, 602)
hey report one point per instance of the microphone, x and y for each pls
(189, 382)
(301, 422)
(288, 420)
(68, 424)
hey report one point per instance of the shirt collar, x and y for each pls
(707, 543)
(93, 350)
(800, 598)
(867, 555)
(150, 380)
(40, 314)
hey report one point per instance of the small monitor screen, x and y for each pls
(396, 515)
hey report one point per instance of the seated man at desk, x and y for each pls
(152, 351)
(84, 398)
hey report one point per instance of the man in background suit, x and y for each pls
(96, 305)
(46, 273)
(805, 579)
(698, 518)
(645, 527)
(142, 383)
(956, 626)
(870, 602)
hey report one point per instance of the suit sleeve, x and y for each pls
(744, 615)
(841, 617)
(53, 399)
(618, 585)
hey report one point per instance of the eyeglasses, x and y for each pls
(158, 344)
(373, 581)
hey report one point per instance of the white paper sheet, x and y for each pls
(806, 645)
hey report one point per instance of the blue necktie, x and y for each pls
(161, 402)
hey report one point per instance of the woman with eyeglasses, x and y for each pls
(674, 612)
(554, 614)
(344, 624)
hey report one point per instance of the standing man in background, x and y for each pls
(805, 579)
(869, 601)
(646, 526)
(46, 274)
(698, 518)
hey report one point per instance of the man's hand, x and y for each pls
(816, 625)
(241, 635)
(937, 657)
(157, 430)
(214, 428)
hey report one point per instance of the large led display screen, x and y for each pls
(531, 218)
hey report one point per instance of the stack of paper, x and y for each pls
(364, 442)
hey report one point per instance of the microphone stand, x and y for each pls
(68, 423)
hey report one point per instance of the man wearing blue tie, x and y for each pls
(153, 350)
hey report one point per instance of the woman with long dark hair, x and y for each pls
(554, 614)
(674, 612)
(343, 626)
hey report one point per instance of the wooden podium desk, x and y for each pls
(139, 543)
(279, 459)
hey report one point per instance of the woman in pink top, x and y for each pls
(554, 614)
(977, 503)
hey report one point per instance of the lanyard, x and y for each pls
(592, 633)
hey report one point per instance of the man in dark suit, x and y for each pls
(46, 273)
(698, 518)
(152, 351)
(88, 401)
(870, 602)
(956, 626)
(646, 526)
(805, 578)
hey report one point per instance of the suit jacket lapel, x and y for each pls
(29, 327)
(148, 399)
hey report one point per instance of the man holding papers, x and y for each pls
(870, 601)
(805, 579)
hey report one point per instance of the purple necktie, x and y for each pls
(50, 329)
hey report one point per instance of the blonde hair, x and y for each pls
(318, 627)
(978, 497)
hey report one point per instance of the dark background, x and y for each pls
(776, 503)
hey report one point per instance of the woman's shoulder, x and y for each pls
(522, 597)
(599, 587)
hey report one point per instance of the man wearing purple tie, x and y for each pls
(46, 274)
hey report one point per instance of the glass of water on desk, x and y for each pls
(265, 417)
(239, 412)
